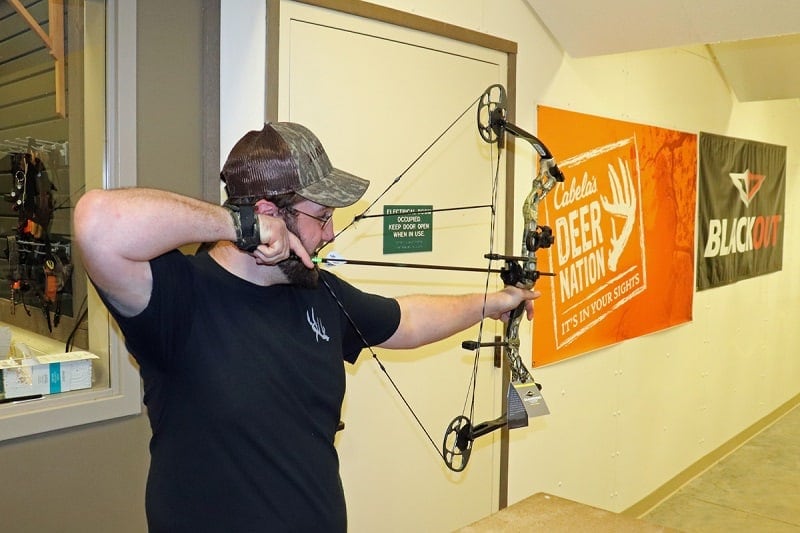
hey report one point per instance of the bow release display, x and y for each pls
(524, 399)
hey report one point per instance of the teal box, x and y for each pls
(55, 378)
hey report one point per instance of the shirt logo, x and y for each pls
(316, 326)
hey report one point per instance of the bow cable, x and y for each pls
(492, 227)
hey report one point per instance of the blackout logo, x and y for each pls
(747, 184)
(742, 234)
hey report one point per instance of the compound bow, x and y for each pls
(524, 397)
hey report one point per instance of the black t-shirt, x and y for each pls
(243, 386)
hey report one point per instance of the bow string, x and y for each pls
(524, 399)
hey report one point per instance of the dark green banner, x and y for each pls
(741, 198)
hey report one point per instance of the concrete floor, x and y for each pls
(756, 488)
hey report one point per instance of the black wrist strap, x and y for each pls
(245, 221)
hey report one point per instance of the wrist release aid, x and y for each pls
(245, 222)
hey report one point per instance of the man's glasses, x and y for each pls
(323, 220)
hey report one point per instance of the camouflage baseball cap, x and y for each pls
(287, 157)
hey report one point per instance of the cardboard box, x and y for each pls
(46, 374)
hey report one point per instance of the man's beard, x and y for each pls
(295, 271)
(298, 274)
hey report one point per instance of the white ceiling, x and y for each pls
(756, 42)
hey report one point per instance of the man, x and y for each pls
(241, 348)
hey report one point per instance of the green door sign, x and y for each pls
(407, 228)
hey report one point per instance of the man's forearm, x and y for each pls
(429, 318)
(140, 224)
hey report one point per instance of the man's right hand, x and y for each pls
(278, 243)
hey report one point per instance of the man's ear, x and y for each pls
(265, 207)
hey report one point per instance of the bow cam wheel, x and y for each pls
(457, 444)
(492, 113)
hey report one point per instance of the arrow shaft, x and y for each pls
(406, 265)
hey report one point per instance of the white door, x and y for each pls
(377, 95)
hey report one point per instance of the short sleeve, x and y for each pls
(368, 319)
(161, 328)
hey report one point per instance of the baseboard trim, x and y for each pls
(650, 501)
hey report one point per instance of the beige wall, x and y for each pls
(88, 479)
(170, 88)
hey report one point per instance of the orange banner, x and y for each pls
(623, 225)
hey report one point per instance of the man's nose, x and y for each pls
(328, 233)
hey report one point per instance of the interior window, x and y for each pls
(52, 82)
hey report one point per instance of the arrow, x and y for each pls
(333, 259)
